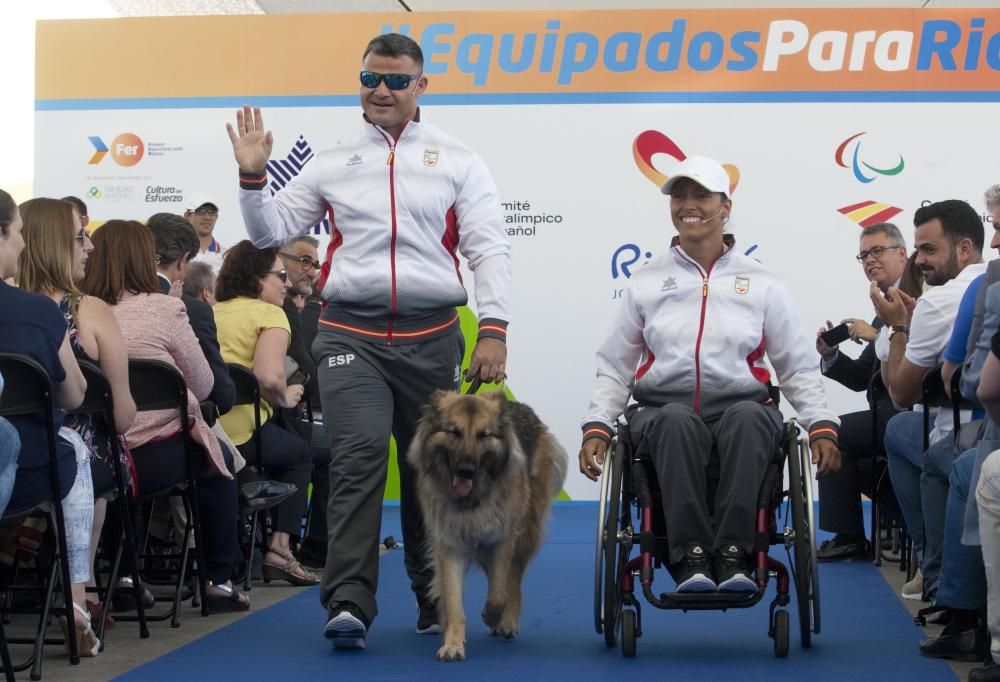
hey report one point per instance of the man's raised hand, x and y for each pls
(251, 143)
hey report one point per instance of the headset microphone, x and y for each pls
(708, 220)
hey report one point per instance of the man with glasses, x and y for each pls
(203, 213)
(882, 255)
(404, 199)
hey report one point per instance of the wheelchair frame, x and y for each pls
(617, 610)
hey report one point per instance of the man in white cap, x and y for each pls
(697, 322)
(202, 211)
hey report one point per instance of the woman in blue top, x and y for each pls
(34, 326)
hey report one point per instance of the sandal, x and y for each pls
(292, 571)
(231, 599)
(124, 597)
(94, 609)
(87, 644)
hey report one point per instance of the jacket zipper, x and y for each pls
(392, 242)
(701, 330)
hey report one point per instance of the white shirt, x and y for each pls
(930, 329)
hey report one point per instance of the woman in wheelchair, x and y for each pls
(689, 342)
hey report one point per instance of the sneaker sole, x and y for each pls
(738, 583)
(345, 632)
(697, 583)
(430, 629)
(911, 597)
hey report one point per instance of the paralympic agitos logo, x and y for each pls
(863, 171)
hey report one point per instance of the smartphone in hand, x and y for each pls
(836, 335)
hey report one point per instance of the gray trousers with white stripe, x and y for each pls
(370, 391)
(680, 444)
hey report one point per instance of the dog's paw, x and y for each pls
(449, 653)
(492, 613)
(508, 629)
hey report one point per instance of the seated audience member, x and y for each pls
(121, 271)
(199, 283)
(987, 495)
(203, 213)
(52, 264)
(705, 383)
(33, 325)
(254, 332)
(882, 254)
(176, 244)
(949, 244)
(301, 261)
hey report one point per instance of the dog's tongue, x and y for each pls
(461, 486)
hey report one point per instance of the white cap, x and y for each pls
(707, 172)
(197, 200)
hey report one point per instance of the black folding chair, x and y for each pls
(157, 385)
(248, 393)
(99, 402)
(28, 391)
(885, 511)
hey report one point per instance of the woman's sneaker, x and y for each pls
(732, 570)
(347, 627)
(694, 573)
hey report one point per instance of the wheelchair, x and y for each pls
(631, 514)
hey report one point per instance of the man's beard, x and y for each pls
(947, 273)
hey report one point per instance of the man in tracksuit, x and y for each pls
(403, 199)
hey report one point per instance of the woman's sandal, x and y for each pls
(87, 644)
(292, 571)
(94, 609)
(231, 599)
(124, 597)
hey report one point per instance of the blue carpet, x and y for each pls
(866, 632)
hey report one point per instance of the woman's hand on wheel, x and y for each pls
(826, 457)
(592, 457)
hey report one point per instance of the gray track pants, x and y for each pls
(680, 444)
(370, 391)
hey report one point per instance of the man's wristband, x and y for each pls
(899, 329)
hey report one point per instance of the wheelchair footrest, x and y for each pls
(708, 601)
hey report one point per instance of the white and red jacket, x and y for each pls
(695, 337)
(400, 212)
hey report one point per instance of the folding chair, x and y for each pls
(882, 513)
(157, 385)
(248, 393)
(100, 402)
(28, 390)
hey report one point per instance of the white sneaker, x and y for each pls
(914, 589)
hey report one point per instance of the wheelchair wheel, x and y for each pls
(628, 633)
(781, 633)
(614, 555)
(805, 569)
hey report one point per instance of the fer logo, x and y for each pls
(126, 149)
(859, 166)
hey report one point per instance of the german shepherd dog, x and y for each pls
(487, 471)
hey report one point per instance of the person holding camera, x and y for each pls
(882, 255)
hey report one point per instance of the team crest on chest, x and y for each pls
(430, 157)
(742, 285)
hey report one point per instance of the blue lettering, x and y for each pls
(570, 64)
(549, 43)
(630, 255)
(930, 46)
(431, 47)
(483, 44)
(740, 44)
(674, 38)
(716, 47)
(975, 45)
(632, 43)
(993, 53)
(506, 56)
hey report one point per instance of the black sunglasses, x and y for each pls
(393, 81)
